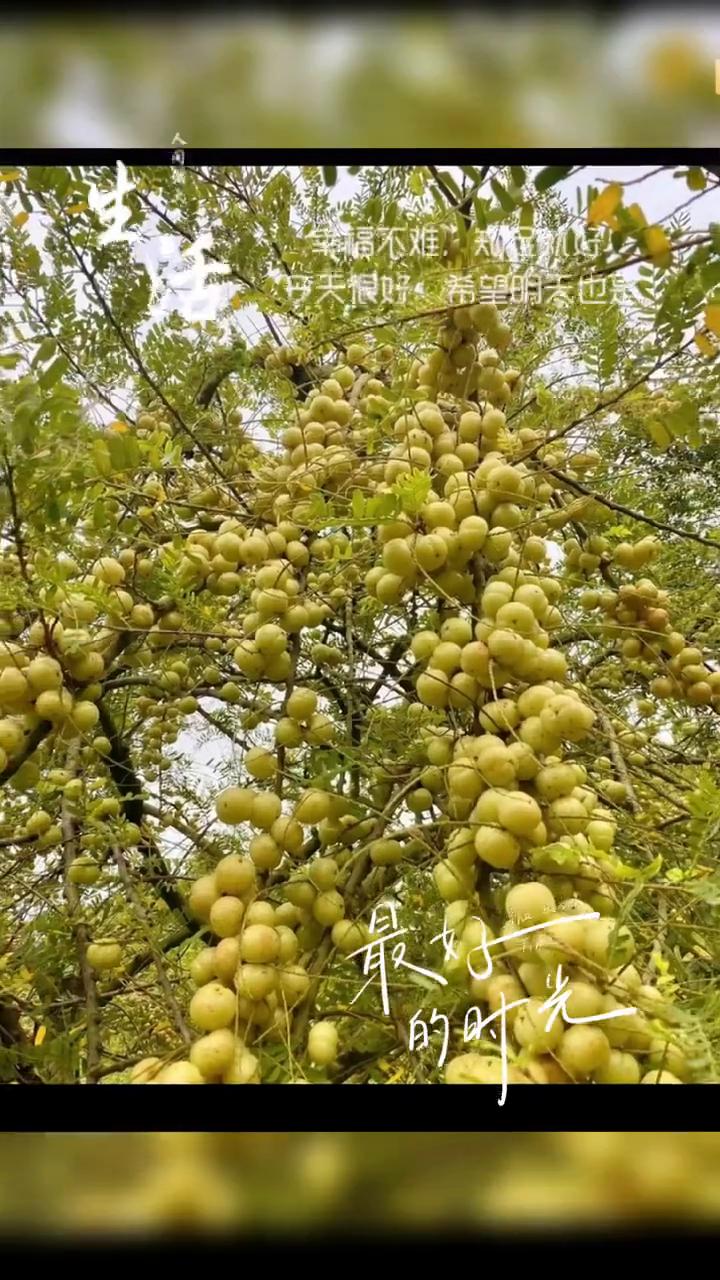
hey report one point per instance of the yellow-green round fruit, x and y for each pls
(202, 968)
(234, 875)
(259, 944)
(265, 852)
(498, 848)
(294, 983)
(600, 935)
(213, 1053)
(288, 733)
(584, 1000)
(53, 705)
(323, 1043)
(109, 571)
(323, 873)
(300, 893)
(226, 960)
(583, 1050)
(260, 764)
(270, 639)
(349, 936)
(145, 1071)
(38, 823)
(288, 834)
(529, 904)
(481, 1068)
(518, 813)
(234, 805)
(531, 1027)
(265, 809)
(212, 1007)
(244, 1068)
(328, 908)
(85, 716)
(83, 870)
(11, 736)
(104, 954)
(202, 896)
(433, 688)
(620, 1068)
(660, 1077)
(312, 807)
(385, 852)
(180, 1073)
(44, 673)
(256, 981)
(226, 915)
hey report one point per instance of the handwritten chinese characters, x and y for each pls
(191, 288)
(384, 930)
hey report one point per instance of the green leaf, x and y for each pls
(707, 890)
(696, 179)
(53, 373)
(504, 198)
(373, 209)
(10, 360)
(52, 508)
(659, 434)
(527, 213)
(448, 181)
(471, 172)
(358, 504)
(329, 173)
(480, 206)
(518, 175)
(550, 176)
(45, 351)
(101, 457)
(412, 491)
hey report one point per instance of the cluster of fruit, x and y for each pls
(509, 817)
(500, 764)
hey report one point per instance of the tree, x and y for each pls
(442, 579)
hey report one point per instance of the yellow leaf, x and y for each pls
(78, 208)
(21, 218)
(25, 974)
(704, 345)
(659, 435)
(604, 205)
(712, 317)
(636, 212)
(398, 1075)
(11, 176)
(236, 301)
(40, 1035)
(118, 426)
(658, 245)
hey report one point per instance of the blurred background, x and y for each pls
(464, 79)
(56, 1186)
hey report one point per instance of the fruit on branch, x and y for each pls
(397, 535)
(104, 954)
